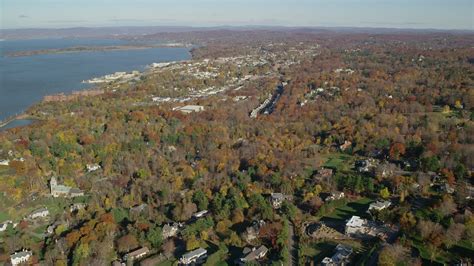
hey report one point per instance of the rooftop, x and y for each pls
(21, 254)
(138, 252)
(195, 253)
(355, 221)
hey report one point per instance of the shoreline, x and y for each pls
(23, 115)
(81, 49)
(9, 120)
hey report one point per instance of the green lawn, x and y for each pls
(358, 207)
(3, 216)
(317, 251)
(340, 161)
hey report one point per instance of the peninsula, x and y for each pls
(78, 49)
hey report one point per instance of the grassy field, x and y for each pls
(317, 251)
(3, 216)
(338, 161)
(358, 207)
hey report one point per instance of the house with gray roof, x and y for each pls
(39, 213)
(253, 254)
(195, 256)
(20, 257)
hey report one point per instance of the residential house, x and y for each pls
(253, 254)
(170, 230)
(340, 257)
(365, 166)
(5, 162)
(92, 167)
(195, 256)
(251, 233)
(379, 205)
(189, 109)
(277, 199)
(359, 227)
(4, 225)
(40, 213)
(76, 206)
(136, 254)
(20, 257)
(200, 214)
(58, 190)
(335, 196)
(385, 170)
(356, 225)
(347, 144)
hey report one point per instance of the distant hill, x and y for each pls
(119, 32)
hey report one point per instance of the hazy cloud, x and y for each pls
(23, 16)
(65, 21)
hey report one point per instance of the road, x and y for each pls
(293, 245)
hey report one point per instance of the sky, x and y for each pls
(435, 14)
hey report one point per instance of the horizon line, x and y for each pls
(247, 26)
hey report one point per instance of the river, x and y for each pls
(25, 80)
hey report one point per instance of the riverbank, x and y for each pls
(27, 80)
(7, 121)
(17, 121)
(79, 49)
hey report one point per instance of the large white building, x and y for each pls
(189, 109)
(356, 225)
(40, 213)
(379, 205)
(136, 254)
(195, 256)
(58, 190)
(20, 257)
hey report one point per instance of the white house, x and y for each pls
(379, 205)
(92, 167)
(40, 213)
(58, 190)
(136, 254)
(356, 225)
(195, 256)
(335, 196)
(277, 199)
(20, 257)
(76, 206)
(4, 225)
(189, 108)
(5, 162)
(170, 230)
(200, 214)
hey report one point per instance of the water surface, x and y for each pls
(25, 80)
